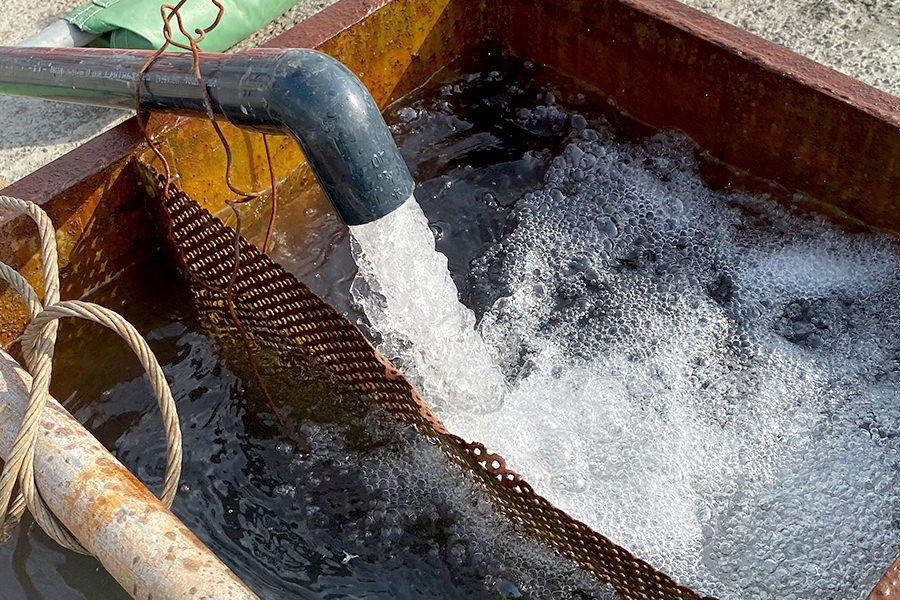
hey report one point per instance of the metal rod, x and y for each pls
(305, 93)
(142, 545)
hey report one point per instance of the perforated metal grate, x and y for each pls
(281, 315)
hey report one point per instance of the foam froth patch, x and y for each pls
(707, 378)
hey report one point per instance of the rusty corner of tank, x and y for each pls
(888, 587)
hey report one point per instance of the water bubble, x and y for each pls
(718, 372)
(578, 122)
(606, 227)
(408, 114)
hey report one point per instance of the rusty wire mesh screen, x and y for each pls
(282, 316)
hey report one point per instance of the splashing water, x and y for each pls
(424, 326)
(705, 377)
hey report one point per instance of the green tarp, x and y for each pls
(138, 24)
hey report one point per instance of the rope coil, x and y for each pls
(38, 344)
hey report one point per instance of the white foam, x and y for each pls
(424, 327)
(703, 377)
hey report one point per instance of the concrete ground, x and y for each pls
(858, 37)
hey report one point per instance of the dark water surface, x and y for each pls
(358, 507)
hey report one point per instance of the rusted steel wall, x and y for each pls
(393, 46)
(89, 198)
(747, 101)
(143, 545)
(197, 159)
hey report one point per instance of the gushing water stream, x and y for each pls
(408, 295)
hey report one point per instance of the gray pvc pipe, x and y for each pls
(61, 34)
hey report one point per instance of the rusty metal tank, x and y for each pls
(758, 108)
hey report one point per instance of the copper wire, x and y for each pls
(193, 46)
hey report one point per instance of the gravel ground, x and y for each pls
(35, 132)
(858, 37)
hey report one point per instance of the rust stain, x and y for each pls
(198, 158)
(326, 24)
(100, 492)
(412, 38)
(888, 588)
(191, 565)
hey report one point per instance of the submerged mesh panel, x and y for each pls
(282, 315)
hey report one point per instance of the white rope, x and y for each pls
(38, 344)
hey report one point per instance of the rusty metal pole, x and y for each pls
(142, 545)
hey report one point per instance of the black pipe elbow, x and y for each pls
(333, 117)
(309, 94)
